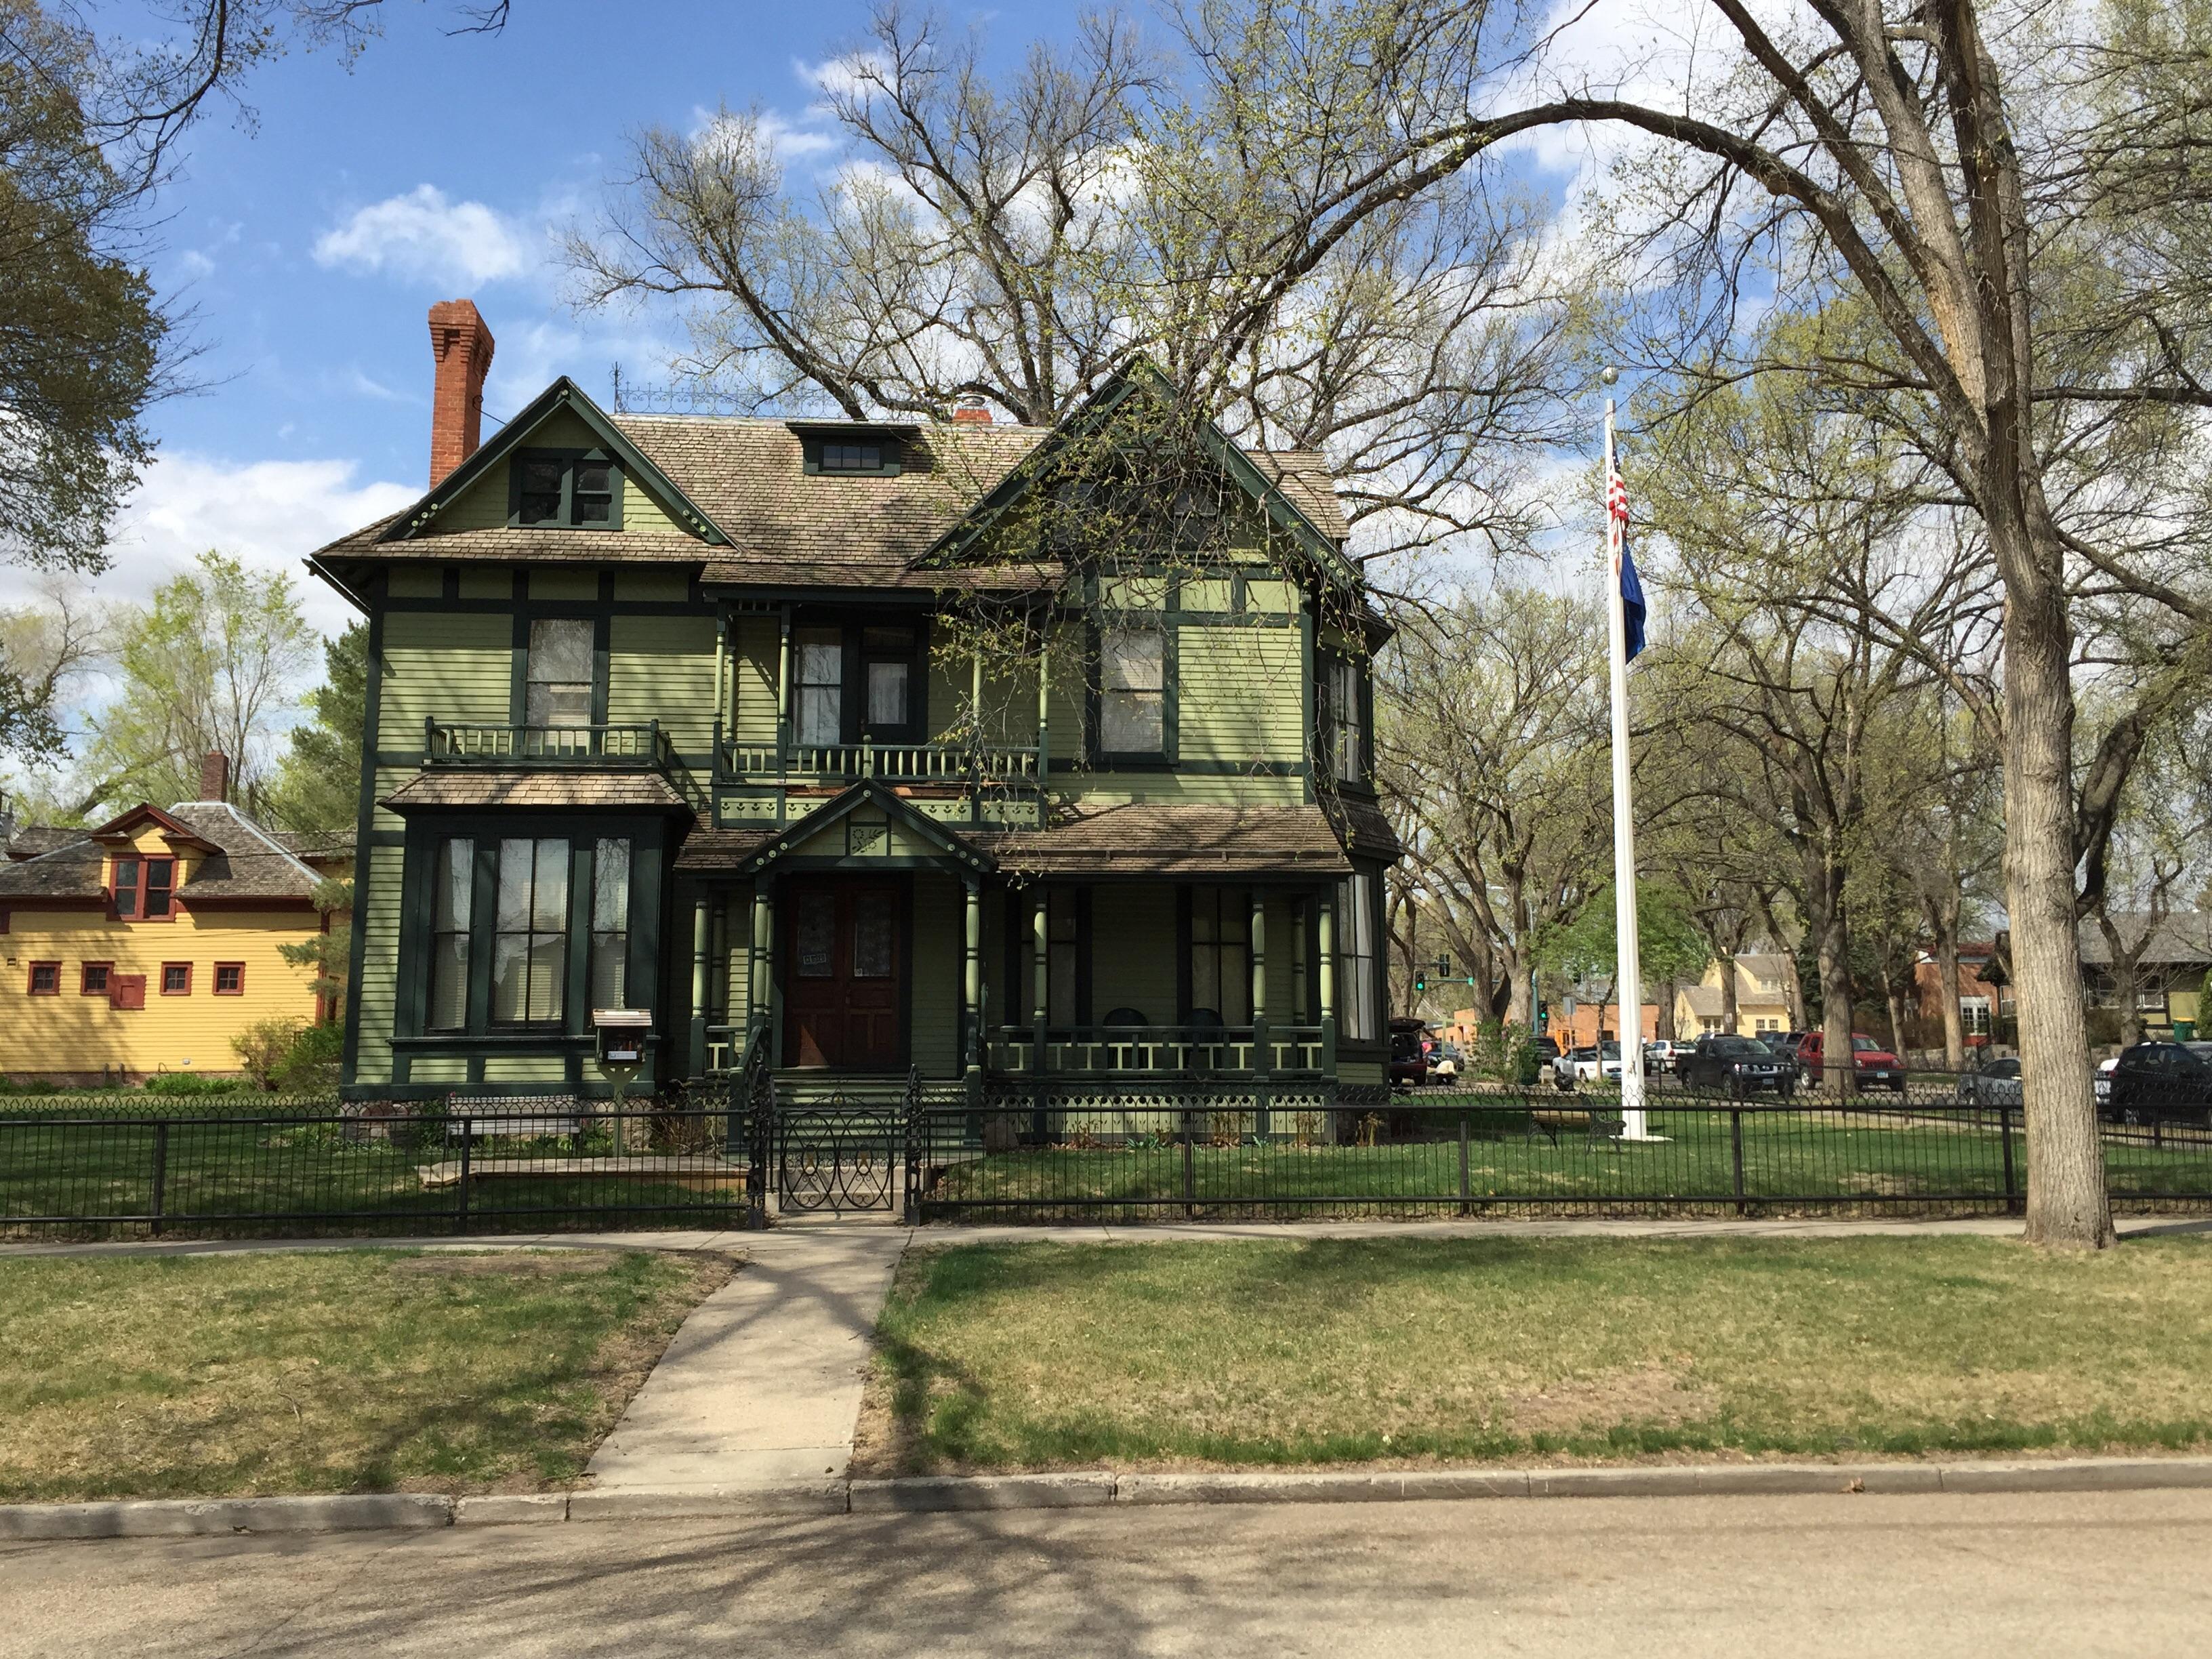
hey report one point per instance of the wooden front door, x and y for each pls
(844, 989)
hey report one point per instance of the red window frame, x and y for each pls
(53, 969)
(237, 971)
(184, 968)
(84, 971)
(133, 899)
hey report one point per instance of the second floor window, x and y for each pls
(819, 684)
(558, 676)
(1343, 725)
(530, 937)
(1357, 988)
(145, 889)
(1132, 691)
(573, 492)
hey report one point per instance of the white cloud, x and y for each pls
(270, 515)
(423, 235)
(856, 74)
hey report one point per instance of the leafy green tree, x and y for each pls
(209, 666)
(1668, 943)
(318, 785)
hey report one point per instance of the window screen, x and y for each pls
(821, 686)
(559, 691)
(1132, 691)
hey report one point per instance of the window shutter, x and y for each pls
(127, 990)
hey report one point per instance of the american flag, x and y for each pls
(1616, 497)
(1631, 589)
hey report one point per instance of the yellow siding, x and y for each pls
(76, 1033)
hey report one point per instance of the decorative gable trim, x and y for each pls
(868, 792)
(1142, 374)
(563, 394)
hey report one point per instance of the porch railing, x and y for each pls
(448, 744)
(1279, 1051)
(999, 765)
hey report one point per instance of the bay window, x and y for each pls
(610, 922)
(1357, 1019)
(452, 900)
(529, 936)
(1342, 719)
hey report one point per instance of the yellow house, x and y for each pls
(147, 945)
(1762, 996)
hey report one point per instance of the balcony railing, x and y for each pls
(645, 746)
(1110, 1051)
(955, 765)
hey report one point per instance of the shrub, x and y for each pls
(310, 1065)
(264, 1047)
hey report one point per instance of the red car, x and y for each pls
(1875, 1065)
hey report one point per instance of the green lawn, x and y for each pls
(1314, 1352)
(351, 1370)
(312, 1178)
(1858, 1157)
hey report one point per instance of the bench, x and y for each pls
(514, 1117)
(1596, 1126)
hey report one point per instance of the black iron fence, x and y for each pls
(1213, 1155)
(740, 1156)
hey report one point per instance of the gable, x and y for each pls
(562, 422)
(863, 823)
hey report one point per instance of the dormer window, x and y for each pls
(845, 449)
(566, 489)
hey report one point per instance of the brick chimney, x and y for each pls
(215, 776)
(972, 411)
(462, 345)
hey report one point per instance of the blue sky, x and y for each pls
(309, 244)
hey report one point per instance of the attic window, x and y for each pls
(565, 488)
(853, 452)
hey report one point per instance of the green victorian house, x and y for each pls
(716, 720)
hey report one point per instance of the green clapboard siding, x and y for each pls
(663, 668)
(564, 584)
(757, 643)
(1132, 951)
(457, 668)
(377, 916)
(525, 1068)
(939, 949)
(1239, 694)
(490, 581)
(653, 586)
(438, 1068)
(416, 581)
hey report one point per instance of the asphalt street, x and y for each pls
(2126, 1573)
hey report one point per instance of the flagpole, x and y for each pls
(1630, 996)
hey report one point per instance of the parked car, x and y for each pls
(1664, 1055)
(1996, 1083)
(2162, 1083)
(2102, 1082)
(1875, 1065)
(1445, 1062)
(1600, 1062)
(1738, 1066)
(1547, 1050)
(1409, 1065)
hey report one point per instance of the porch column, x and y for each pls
(1040, 975)
(757, 976)
(971, 990)
(782, 712)
(1044, 712)
(1263, 1053)
(699, 936)
(1326, 948)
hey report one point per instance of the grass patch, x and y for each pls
(367, 1370)
(1321, 1352)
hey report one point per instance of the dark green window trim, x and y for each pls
(567, 460)
(890, 453)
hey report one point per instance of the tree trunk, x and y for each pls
(1832, 947)
(2067, 1205)
(1664, 1026)
(1728, 994)
(1893, 1005)
(1945, 919)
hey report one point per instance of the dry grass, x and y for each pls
(1412, 1351)
(325, 1371)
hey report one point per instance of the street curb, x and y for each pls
(927, 1494)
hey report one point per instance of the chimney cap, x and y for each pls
(972, 410)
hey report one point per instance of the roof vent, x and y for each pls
(972, 411)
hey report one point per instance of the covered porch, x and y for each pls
(878, 941)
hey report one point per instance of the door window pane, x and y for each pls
(875, 936)
(530, 946)
(887, 696)
(1133, 681)
(559, 691)
(1221, 953)
(816, 930)
(454, 888)
(821, 686)
(610, 922)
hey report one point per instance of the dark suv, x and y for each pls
(1738, 1066)
(2161, 1083)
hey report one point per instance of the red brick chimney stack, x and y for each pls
(462, 345)
(215, 776)
(972, 411)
